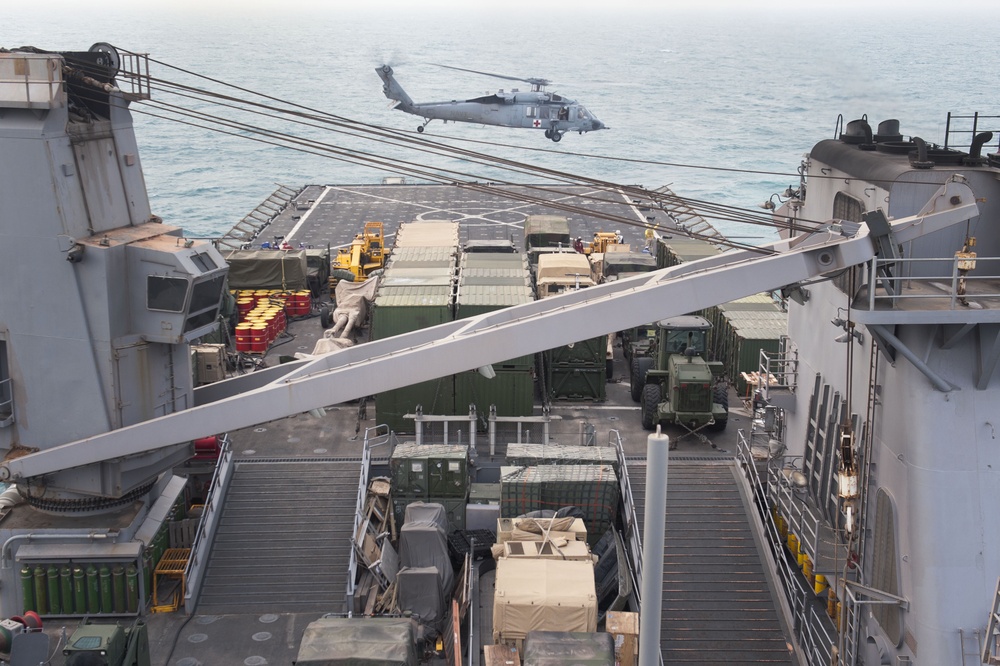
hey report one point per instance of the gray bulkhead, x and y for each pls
(936, 464)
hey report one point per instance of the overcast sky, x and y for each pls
(542, 7)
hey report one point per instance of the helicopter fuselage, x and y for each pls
(535, 109)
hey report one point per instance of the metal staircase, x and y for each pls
(280, 546)
(717, 603)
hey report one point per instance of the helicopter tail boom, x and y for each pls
(393, 90)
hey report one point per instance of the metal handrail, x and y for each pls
(210, 517)
(632, 534)
(809, 628)
(134, 70)
(905, 280)
(782, 367)
(359, 507)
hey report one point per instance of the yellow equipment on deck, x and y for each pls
(365, 254)
(602, 239)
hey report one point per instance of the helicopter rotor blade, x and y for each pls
(533, 81)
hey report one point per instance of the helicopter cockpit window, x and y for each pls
(581, 114)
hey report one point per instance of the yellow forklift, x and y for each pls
(366, 253)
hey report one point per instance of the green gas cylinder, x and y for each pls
(28, 587)
(104, 574)
(66, 589)
(41, 607)
(118, 587)
(93, 591)
(55, 603)
(132, 588)
(79, 591)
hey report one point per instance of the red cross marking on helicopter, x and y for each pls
(537, 123)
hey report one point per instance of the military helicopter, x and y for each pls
(536, 109)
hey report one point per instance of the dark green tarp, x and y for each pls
(267, 269)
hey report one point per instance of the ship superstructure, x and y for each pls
(885, 400)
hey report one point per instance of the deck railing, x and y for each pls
(937, 278)
(194, 571)
(811, 628)
(372, 439)
(632, 535)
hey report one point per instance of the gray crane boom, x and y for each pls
(471, 343)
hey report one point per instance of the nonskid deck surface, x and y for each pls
(334, 214)
(258, 607)
(258, 600)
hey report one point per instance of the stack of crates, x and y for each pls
(591, 488)
(577, 371)
(488, 282)
(417, 291)
(742, 329)
(432, 473)
(526, 455)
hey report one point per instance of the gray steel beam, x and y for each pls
(462, 345)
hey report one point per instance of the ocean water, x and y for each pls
(720, 106)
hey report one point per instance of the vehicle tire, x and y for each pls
(650, 402)
(548, 134)
(637, 378)
(557, 137)
(325, 319)
(720, 395)
(420, 128)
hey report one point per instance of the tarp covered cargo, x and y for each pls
(553, 595)
(318, 268)
(423, 541)
(419, 592)
(372, 641)
(354, 299)
(560, 648)
(267, 269)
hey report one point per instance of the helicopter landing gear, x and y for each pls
(548, 134)
(556, 136)
(420, 128)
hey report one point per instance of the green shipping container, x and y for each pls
(430, 470)
(422, 257)
(591, 488)
(576, 382)
(471, 261)
(418, 277)
(484, 493)
(512, 391)
(477, 299)
(435, 397)
(593, 350)
(405, 309)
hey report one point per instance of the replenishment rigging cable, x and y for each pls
(331, 122)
